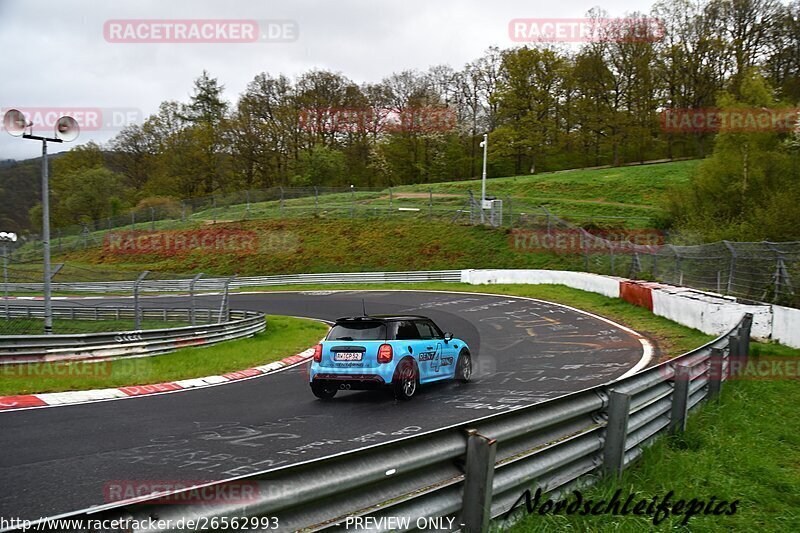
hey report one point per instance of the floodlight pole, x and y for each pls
(485, 145)
(48, 307)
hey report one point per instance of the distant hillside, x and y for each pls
(20, 189)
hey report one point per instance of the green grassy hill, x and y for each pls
(409, 229)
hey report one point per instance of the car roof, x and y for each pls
(381, 318)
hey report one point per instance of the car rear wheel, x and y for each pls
(464, 367)
(405, 381)
(323, 391)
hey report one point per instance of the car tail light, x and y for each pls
(385, 353)
(318, 353)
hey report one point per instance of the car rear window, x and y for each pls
(358, 331)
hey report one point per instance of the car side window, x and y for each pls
(426, 330)
(437, 333)
(407, 331)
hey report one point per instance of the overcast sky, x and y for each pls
(55, 53)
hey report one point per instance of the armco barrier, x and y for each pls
(116, 344)
(708, 312)
(206, 284)
(468, 473)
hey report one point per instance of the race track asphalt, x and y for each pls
(61, 459)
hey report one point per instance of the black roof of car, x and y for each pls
(381, 318)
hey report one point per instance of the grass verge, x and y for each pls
(745, 448)
(283, 337)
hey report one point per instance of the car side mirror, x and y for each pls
(448, 337)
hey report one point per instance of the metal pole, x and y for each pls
(483, 175)
(352, 201)
(616, 433)
(391, 201)
(223, 305)
(680, 398)
(137, 319)
(477, 497)
(191, 296)
(5, 277)
(48, 308)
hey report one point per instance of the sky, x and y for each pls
(64, 55)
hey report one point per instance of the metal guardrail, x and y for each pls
(213, 284)
(478, 470)
(132, 343)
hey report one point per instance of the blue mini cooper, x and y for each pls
(399, 352)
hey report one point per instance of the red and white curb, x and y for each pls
(27, 401)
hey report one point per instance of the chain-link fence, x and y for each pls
(198, 296)
(762, 271)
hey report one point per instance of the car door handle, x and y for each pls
(430, 347)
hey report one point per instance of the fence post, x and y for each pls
(680, 398)
(430, 202)
(224, 311)
(133, 220)
(510, 213)
(214, 208)
(476, 508)
(732, 251)
(247, 199)
(85, 235)
(58, 232)
(137, 318)
(352, 201)
(715, 373)
(316, 201)
(152, 219)
(183, 211)
(585, 245)
(391, 201)
(616, 433)
(191, 297)
(281, 202)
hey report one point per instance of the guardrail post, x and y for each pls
(477, 499)
(715, 373)
(680, 398)
(137, 319)
(191, 297)
(735, 362)
(619, 405)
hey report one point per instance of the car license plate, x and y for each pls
(347, 356)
